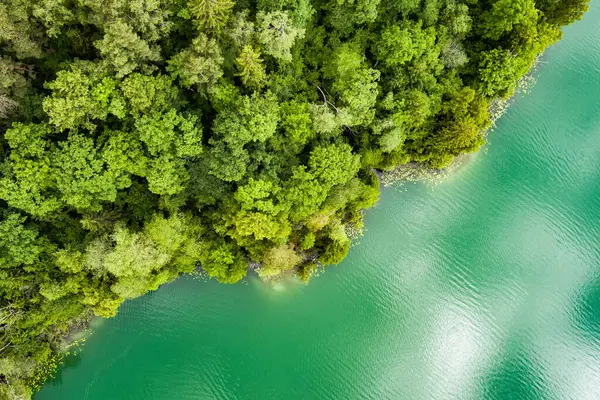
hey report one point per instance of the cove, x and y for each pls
(486, 286)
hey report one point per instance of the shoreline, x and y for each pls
(416, 172)
(80, 330)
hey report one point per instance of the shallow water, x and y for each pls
(486, 286)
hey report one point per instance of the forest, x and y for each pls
(145, 139)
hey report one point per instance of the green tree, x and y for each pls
(278, 260)
(124, 157)
(402, 43)
(81, 95)
(132, 260)
(17, 31)
(334, 164)
(505, 15)
(277, 34)
(228, 162)
(211, 15)
(170, 139)
(19, 245)
(304, 193)
(124, 50)
(498, 73)
(13, 85)
(456, 17)
(563, 12)
(241, 31)
(251, 69)
(297, 124)
(147, 93)
(27, 175)
(151, 20)
(346, 14)
(81, 174)
(223, 261)
(355, 84)
(249, 118)
(179, 236)
(200, 64)
(454, 55)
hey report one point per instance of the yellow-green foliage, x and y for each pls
(278, 260)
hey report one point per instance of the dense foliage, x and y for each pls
(142, 139)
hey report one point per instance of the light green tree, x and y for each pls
(505, 15)
(27, 176)
(277, 34)
(82, 95)
(250, 68)
(278, 260)
(355, 84)
(211, 15)
(333, 164)
(123, 49)
(199, 64)
(81, 174)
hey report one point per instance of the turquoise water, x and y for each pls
(486, 286)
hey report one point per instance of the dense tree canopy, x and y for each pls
(142, 139)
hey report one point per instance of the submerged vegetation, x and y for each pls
(144, 139)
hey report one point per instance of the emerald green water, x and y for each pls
(486, 286)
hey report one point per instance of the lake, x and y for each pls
(485, 286)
